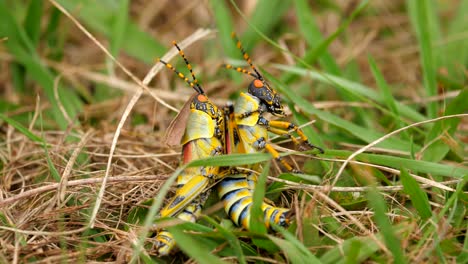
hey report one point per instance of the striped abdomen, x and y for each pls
(236, 192)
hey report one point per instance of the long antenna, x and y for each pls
(194, 84)
(246, 57)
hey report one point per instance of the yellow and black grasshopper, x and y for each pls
(248, 133)
(236, 189)
(203, 137)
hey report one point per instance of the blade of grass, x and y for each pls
(313, 36)
(418, 197)
(33, 137)
(24, 130)
(257, 222)
(231, 160)
(455, 48)
(387, 95)
(192, 248)
(56, 37)
(225, 27)
(342, 253)
(377, 202)
(296, 247)
(294, 251)
(231, 238)
(398, 162)
(463, 257)
(32, 24)
(119, 27)
(422, 20)
(273, 10)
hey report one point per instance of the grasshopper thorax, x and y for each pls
(267, 96)
(202, 103)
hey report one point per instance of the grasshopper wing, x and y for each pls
(176, 129)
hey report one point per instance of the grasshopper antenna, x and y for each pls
(256, 74)
(194, 83)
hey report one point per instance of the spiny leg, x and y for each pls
(276, 156)
(283, 128)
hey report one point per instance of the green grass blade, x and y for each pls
(461, 197)
(225, 27)
(33, 137)
(192, 248)
(231, 160)
(399, 162)
(422, 19)
(455, 49)
(231, 238)
(54, 36)
(271, 9)
(257, 224)
(298, 248)
(463, 257)
(346, 252)
(24, 130)
(295, 252)
(312, 35)
(32, 24)
(377, 202)
(119, 27)
(418, 197)
(386, 93)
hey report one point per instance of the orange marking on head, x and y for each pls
(202, 98)
(258, 84)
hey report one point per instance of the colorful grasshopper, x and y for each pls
(248, 132)
(204, 137)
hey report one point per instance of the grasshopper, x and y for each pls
(203, 137)
(248, 133)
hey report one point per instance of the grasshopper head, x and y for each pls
(267, 96)
(202, 103)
